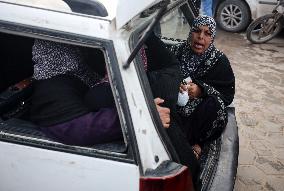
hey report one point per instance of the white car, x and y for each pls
(236, 15)
(145, 159)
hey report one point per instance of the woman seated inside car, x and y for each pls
(209, 84)
(72, 102)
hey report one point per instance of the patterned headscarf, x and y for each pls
(204, 21)
(190, 61)
(53, 59)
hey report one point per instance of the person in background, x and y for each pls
(210, 84)
(207, 7)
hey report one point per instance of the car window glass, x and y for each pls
(174, 26)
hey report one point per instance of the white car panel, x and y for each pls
(123, 10)
(70, 23)
(257, 9)
(29, 169)
(148, 140)
(126, 10)
(48, 4)
(253, 7)
(110, 7)
(263, 9)
(58, 21)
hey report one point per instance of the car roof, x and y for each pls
(122, 11)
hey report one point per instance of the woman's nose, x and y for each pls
(201, 35)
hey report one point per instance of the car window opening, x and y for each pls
(32, 101)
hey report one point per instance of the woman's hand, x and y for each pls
(182, 88)
(194, 91)
(164, 112)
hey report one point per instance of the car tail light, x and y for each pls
(178, 181)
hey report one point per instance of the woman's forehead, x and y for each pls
(205, 23)
(203, 27)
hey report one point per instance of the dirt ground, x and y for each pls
(259, 102)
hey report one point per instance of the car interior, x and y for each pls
(16, 88)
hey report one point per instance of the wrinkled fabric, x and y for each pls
(88, 129)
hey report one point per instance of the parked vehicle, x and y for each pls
(236, 15)
(267, 26)
(145, 159)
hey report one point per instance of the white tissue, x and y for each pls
(188, 79)
(182, 98)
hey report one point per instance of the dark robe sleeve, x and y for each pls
(158, 55)
(162, 71)
(219, 81)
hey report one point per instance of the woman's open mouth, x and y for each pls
(198, 45)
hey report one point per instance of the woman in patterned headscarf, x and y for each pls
(210, 83)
